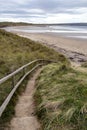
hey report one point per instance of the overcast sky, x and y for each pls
(43, 11)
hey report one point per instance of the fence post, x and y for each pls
(13, 81)
(24, 71)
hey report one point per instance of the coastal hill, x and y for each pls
(6, 24)
(61, 94)
(16, 51)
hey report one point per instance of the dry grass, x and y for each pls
(61, 98)
(16, 51)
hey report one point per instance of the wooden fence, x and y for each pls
(25, 70)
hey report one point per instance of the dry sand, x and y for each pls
(74, 49)
(71, 44)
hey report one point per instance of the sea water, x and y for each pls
(61, 30)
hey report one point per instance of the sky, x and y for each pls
(43, 11)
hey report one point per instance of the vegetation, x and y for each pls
(84, 64)
(10, 111)
(61, 98)
(16, 51)
(6, 24)
(9, 24)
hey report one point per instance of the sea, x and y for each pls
(60, 30)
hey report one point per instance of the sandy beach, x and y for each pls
(72, 48)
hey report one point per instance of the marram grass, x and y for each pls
(16, 51)
(61, 98)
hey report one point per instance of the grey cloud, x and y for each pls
(50, 5)
(22, 8)
(47, 5)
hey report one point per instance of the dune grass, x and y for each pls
(10, 111)
(16, 51)
(61, 98)
(84, 64)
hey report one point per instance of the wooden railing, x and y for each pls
(25, 70)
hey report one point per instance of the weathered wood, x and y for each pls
(5, 103)
(17, 71)
(13, 81)
(38, 62)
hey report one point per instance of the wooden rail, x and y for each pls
(34, 64)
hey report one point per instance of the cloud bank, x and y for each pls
(43, 11)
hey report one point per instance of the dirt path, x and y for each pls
(24, 118)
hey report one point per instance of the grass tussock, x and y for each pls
(16, 51)
(84, 64)
(61, 98)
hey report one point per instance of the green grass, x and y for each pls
(84, 64)
(7, 24)
(16, 51)
(10, 111)
(61, 98)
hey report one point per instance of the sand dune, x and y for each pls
(74, 49)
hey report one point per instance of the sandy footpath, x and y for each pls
(74, 49)
(25, 118)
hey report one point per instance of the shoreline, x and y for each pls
(74, 49)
